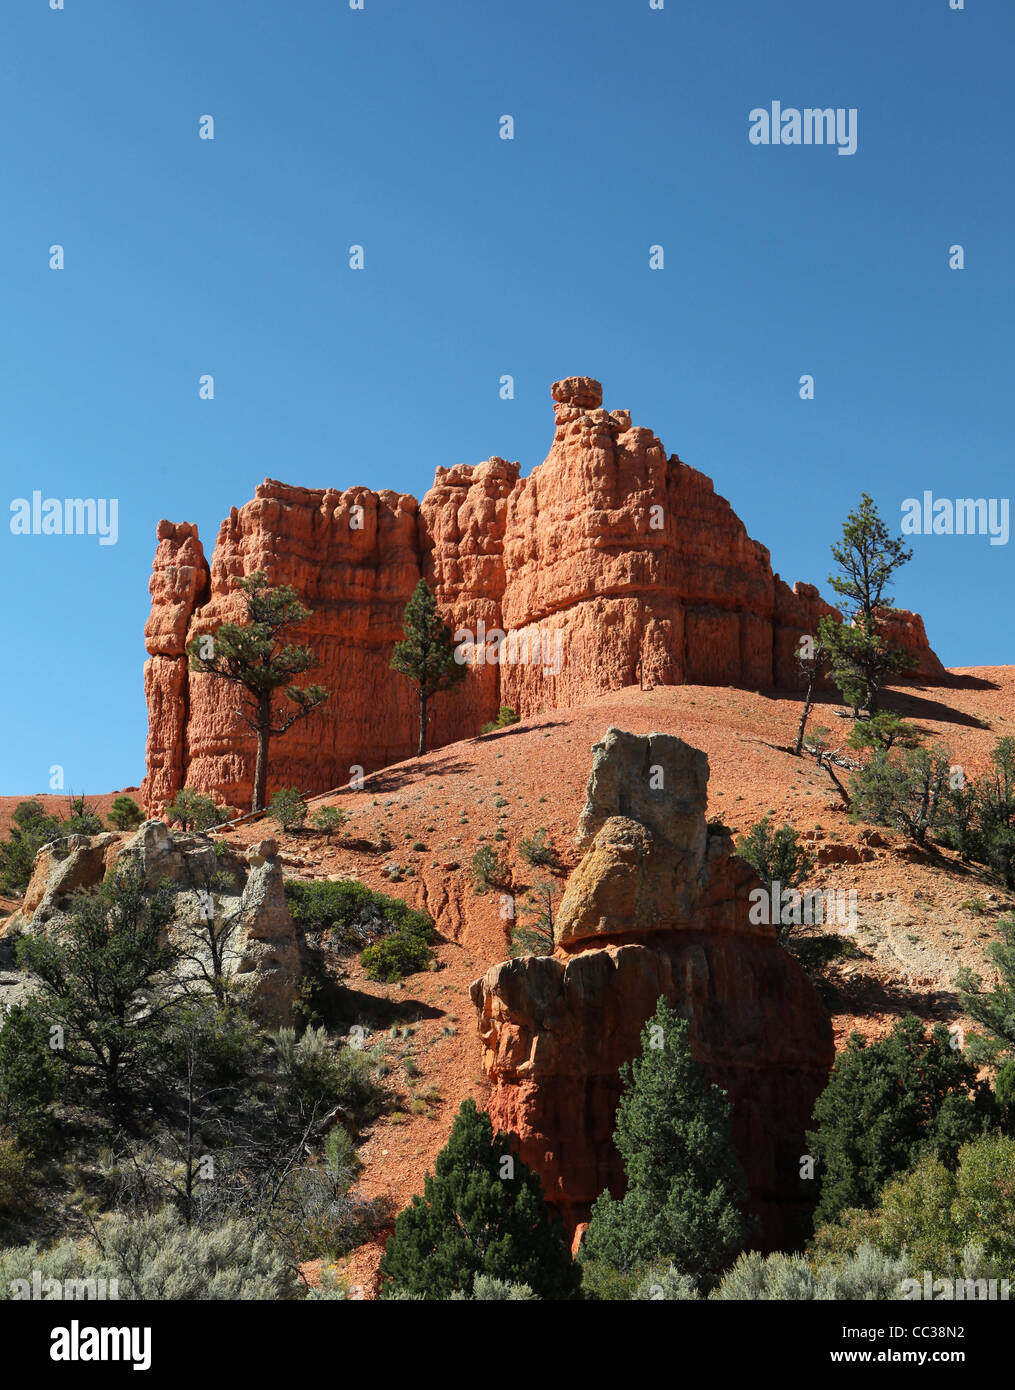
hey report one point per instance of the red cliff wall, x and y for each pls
(610, 555)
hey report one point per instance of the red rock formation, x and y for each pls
(179, 583)
(609, 562)
(658, 906)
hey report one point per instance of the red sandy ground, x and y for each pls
(920, 915)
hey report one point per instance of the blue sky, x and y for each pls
(483, 257)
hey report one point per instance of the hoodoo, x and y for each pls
(657, 906)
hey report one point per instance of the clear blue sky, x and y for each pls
(484, 257)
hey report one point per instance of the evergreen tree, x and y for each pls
(253, 656)
(125, 814)
(102, 980)
(885, 1104)
(908, 791)
(427, 655)
(685, 1185)
(31, 828)
(868, 557)
(481, 1213)
(777, 857)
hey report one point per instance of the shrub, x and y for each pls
(125, 814)
(537, 849)
(393, 957)
(905, 792)
(506, 717)
(481, 1213)
(328, 819)
(488, 868)
(778, 859)
(31, 828)
(30, 1075)
(488, 1290)
(758, 1277)
(192, 810)
(341, 1158)
(933, 1216)
(288, 808)
(158, 1257)
(667, 1285)
(534, 937)
(15, 1175)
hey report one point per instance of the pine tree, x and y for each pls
(685, 1185)
(252, 656)
(867, 556)
(481, 1213)
(427, 655)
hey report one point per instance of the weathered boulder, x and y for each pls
(663, 905)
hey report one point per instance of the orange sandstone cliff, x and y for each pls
(611, 562)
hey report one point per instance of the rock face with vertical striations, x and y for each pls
(612, 562)
(657, 906)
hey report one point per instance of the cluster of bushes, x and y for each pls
(193, 810)
(32, 827)
(127, 1084)
(400, 937)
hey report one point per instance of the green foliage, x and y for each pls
(505, 717)
(401, 937)
(158, 1257)
(15, 1176)
(935, 1216)
(905, 791)
(538, 849)
(882, 732)
(685, 1186)
(488, 869)
(31, 828)
(426, 655)
(256, 657)
(481, 1213)
(534, 937)
(192, 810)
(316, 1080)
(350, 908)
(341, 1158)
(125, 814)
(288, 809)
(993, 1009)
(100, 979)
(359, 915)
(30, 1076)
(488, 1290)
(868, 557)
(761, 1278)
(777, 857)
(885, 1104)
(83, 819)
(328, 819)
(667, 1285)
(393, 957)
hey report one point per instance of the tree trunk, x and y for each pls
(808, 706)
(422, 722)
(261, 766)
